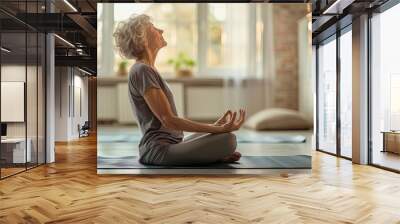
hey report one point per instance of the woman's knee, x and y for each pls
(229, 142)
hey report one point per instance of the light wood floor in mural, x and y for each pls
(70, 191)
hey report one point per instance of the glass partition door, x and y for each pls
(346, 93)
(22, 77)
(14, 145)
(326, 131)
(334, 99)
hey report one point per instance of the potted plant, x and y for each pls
(122, 68)
(183, 65)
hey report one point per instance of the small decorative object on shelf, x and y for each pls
(122, 68)
(183, 65)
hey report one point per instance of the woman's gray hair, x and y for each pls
(130, 36)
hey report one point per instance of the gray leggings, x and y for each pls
(200, 148)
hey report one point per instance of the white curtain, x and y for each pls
(244, 79)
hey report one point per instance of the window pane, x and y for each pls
(216, 19)
(259, 40)
(346, 94)
(180, 34)
(228, 39)
(385, 88)
(327, 97)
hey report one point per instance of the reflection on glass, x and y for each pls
(31, 98)
(385, 88)
(327, 97)
(346, 94)
(41, 99)
(14, 153)
(23, 91)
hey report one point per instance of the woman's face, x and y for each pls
(155, 39)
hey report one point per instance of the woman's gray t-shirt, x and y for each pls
(155, 136)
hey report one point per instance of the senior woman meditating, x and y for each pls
(151, 99)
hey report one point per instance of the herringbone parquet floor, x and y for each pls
(70, 191)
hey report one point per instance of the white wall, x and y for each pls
(17, 73)
(14, 73)
(71, 88)
(79, 117)
(33, 125)
(61, 103)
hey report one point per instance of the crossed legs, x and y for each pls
(202, 148)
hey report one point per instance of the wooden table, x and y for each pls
(391, 141)
(13, 150)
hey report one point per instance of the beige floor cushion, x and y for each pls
(277, 119)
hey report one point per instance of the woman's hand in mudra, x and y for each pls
(229, 123)
(224, 118)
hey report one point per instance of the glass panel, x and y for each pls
(216, 46)
(327, 96)
(41, 57)
(346, 94)
(41, 99)
(23, 89)
(386, 89)
(31, 98)
(15, 7)
(13, 87)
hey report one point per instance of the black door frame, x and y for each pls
(333, 37)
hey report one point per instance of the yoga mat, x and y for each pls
(120, 138)
(241, 138)
(269, 139)
(246, 162)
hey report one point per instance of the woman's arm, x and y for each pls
(159, 105)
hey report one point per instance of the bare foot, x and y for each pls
(232, 158)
